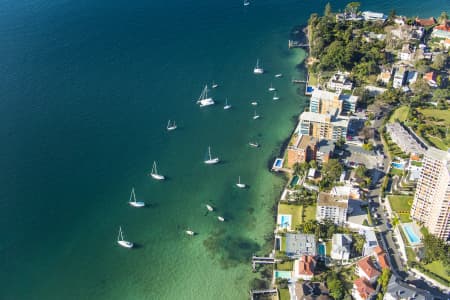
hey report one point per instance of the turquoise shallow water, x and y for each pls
(87, 89)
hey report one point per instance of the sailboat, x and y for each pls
(133, 201)
(211, 160)
(253, 144)
(204, 100)
(226, 106)
(258, 69)
(214, 85)
(254, 103)
(278, 75)
(171, 126)
(275, 96)
(122, 242)
(255, 116)
(221, 219)
(246, 3)
(155, 174)
(271, 89)
(209, 207)
(239, 184)
(190, 232)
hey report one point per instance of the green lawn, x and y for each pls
(438, 268)
(294, 210)
(310, 213)
(283, 243)
(285, 266)
(438, 143)
(400, 113)
(395, 171)
(444, 115)
(401, 204)
(284, 294)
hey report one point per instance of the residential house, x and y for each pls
(399, 77)
(346, 190)
(373, 16)
(381, 258)
(300, 244)
(425, 22)
(365, 269)
(362, 289)
(339, 82)
(324, 151)
(445, 43)
(406, 53)
(398, 290)
(385, 76)
(411, 77)
(341, 246)
(430, 78)
(332, 207)
(305, 290)
(303, 149)
(312, 173)
(441, 31)
(304, 267)
(371, 242)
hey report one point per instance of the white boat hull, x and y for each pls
(125, 244)
(137, 204)
(258, 71)
(171, 128)
(254, 145)
(157, 176)
(227, 107)
(221, 219)
(190, 232)
(255, 117)
(209, 207)
(275, 98)
(206, 102)
(212, 161)
(240, 185)
(214, 86)
(271, 89)
(278, 75)
(254, 103)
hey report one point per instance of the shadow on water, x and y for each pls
(230, 250)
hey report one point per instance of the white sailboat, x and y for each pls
(239, 184)
(258, 69)
(155, 174)
(275, 96)
(204, 100)
(122, 242)
(271, 89)
(133, 201)
(211, 160)
(226, 106)
(171, 126)
(255, 103)
(190, 232)
(209, 207)
(214, 85)
(254, 144)
(221, 219)
(278, 75)
(246, 3)
(255, 116)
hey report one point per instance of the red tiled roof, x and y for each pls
(382, 261)
(378, 250)
(363, 287)
(429, 76)
(306, 265)
(367, 267)
(425, 22)
(444, 27)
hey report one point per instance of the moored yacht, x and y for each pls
(221, 219)
(271, 88)
(258, 69)
(171, 126)
(204, 100)
(122, 242)
(239, 184)
(154, 173)
(211, 160)
(226, 106)
(275, 96)
(209, 207)
(133, 201)
(255, 116)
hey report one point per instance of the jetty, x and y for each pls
(262, 292)
(299, 81)
(263, 260)
(297, 44)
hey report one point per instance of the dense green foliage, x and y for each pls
(435, 249)
(335, 285)
(331, 171)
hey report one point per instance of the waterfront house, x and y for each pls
(340, 81)
(299, 244)
(303, 148)
(441, 31)
(362, 289)
(373, 16)
(332, 207)
(341, 246)
(425, 22)
(304, 267)
(365, 269)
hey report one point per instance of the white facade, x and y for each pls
(341, 246)
(332, 208)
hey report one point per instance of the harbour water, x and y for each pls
(87, 90)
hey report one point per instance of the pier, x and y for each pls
(263, 260)
(299, 81)
(263, 292)
(296, 44)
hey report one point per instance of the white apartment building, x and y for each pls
(332, 207)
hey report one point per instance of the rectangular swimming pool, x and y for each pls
(397, 165)
(279, 163)
(294, 181)
(322, 250)
(285, 221)
(283, 274)
(410, 234)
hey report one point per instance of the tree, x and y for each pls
(331, 171)
(358, 242)
(439, 61)
(443, 18)
(383, 280)
(440, 95)
(335, 286)
(353, 8)
(327, 12)
(421, 88)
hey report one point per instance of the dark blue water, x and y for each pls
(87, 88)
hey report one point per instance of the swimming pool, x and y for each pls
(309, 89)
(278, 162)
(322, 250)
(294, 181)
(285, 221)
(398, 165)
(410, 233)
(283, 274)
